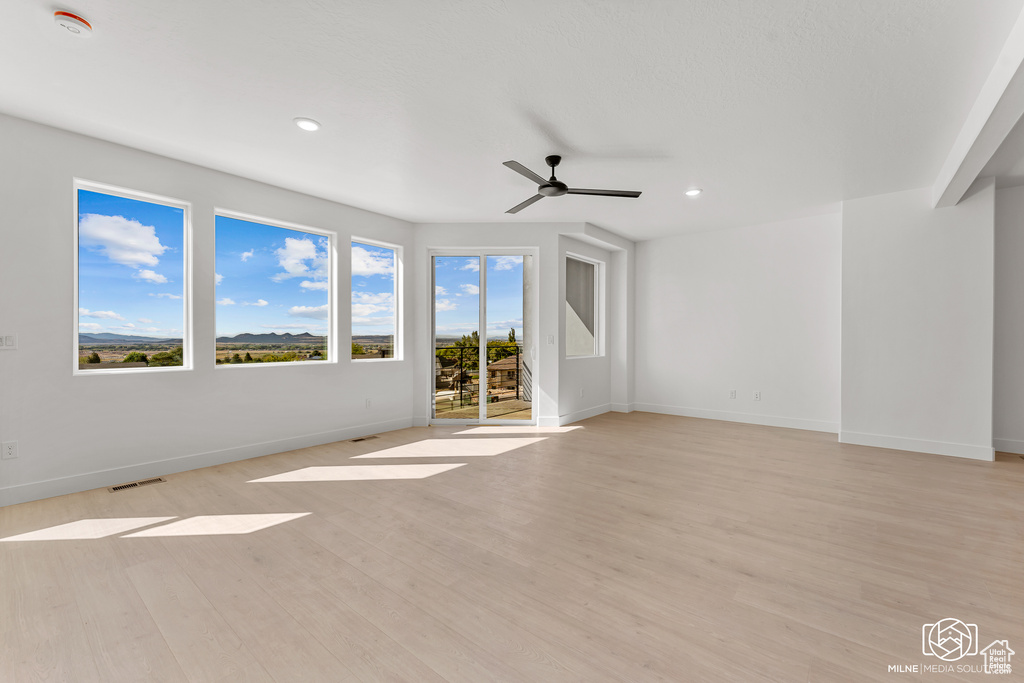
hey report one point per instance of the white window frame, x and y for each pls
(332, 275)
(398, 354)
(599, 304)
(186, 293)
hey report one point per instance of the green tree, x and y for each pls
(236, 358)
(357, 349)
(93, 358)
(248, 357)
(168, 358)
(512, 336)
(135, 357)
(471, 341)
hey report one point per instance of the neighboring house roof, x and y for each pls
(509, 363)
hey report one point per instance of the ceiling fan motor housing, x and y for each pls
(555, 188)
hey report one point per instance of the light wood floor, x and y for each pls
(634, 548)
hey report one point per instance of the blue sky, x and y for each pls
(270, 279)
(130, 266)
(457, 295)
(373, 290)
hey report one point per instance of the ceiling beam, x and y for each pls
(999, 106)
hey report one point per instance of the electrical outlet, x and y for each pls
(8, 342)
(757, 395)
(369, 403)
(732, 393)
(581, 392)
(9, 450)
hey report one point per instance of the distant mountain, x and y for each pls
(271, 338)
(111, 338)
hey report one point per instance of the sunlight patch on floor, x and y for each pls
(359, 473)
(86, 529)
(218, 525)
(453, 448)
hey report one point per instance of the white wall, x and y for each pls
(751, 309)
(1008, 402)
(918, 323)
(81, 432)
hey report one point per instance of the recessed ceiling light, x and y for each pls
(73, 24)
(307, 124)
(693, 192)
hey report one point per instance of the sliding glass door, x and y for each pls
(483, 376)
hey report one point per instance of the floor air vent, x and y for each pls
(136, 484)
(362, 438)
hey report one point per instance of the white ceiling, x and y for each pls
(776, 108)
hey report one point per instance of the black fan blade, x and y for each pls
(605, 193)
(519, 168)
(519, 207)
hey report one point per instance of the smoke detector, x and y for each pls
(73, 24)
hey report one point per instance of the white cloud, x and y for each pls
(309, 284)
(246, 255)
(89, 327)
(314, 312)
(150, 329)
(440, 291)
(217, 278)
(504, 325)
(150, 276)
(366, 304)
(371, 298)
(302, 258)
(364, 310)
(506, 262)
(471, 264)
(128, 326)
(469, 289)
(373, 322)
(165, 295)
(445, 305)
(106, 315)
(146, 320)
(365, 263)
(296, 326)
(226, 302)
(258, 302)
(121, 240)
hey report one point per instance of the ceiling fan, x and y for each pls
(555, 187)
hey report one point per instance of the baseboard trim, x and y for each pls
(900, 443)
(748, 418)
(623, 407)
(583, 414)
(1009, 446)
(24, 493)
